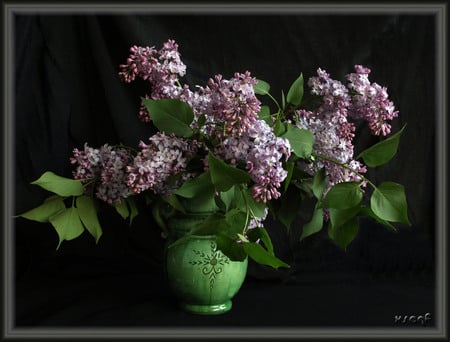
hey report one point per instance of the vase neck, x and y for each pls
(182, 224)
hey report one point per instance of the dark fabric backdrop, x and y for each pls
(68, 93)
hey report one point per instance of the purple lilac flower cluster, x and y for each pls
(370, 102)
(231, 112)
(106, 168)
(165, 156)
(330, 123)
(231, 103)
(161, 68)
(262, 153)
(332, 131)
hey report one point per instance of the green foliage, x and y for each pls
(264, 114)
(288, 207)
(388, 202)
(314, 225)
(295, 93)
(339, 217)
(123, 209)
(197, 186)
(301, 140)
(224, 176)
(88, 215)
(344, 233)
(171, 116)
(48, 208)
(381, 152)
(320, 183)
(262, 234)
(262, 256)
(59, 185)
(67, 224)
(261, 87)
(233, 250)
(343, 196)
(367, 211)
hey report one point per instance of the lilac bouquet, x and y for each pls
(218, 150)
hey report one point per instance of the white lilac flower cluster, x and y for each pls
(230, 109)
(330, 125)
(103, 169)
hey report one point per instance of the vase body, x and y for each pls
(201, 276)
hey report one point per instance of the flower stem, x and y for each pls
(247, 209)
(345, 166)
(275, 101)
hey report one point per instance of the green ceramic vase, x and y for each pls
(202, 277)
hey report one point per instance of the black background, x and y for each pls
(68, 93)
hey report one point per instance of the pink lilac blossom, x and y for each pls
(371, 102)
(232, 104)
(161, 68)
(261, 152)
(165, 156)
(106, 167)
(332, 131)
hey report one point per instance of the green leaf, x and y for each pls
(88, 215)
(261, 87)
(290, 172)
(49, 207)
(289, 208)
(196, 186)
(313, 226)
(133, 208)
(227, 198)
(295, 93)
(339, 217)
(283, 100)
(261, 233)
(320, 183)
(258, 208)
(261, 256)
(381, 152)
(224, 176)
(67, 224)
(156, 213)
(345, 233)
(201, 120)
(231, 248)
(301, 141)
(214, 224)
(236, 219)
(366, 211)
(59, 185)
(171, 116)
(122, 209)
(279, 128)
(173, 200)
(264, 114)
(343, 196)
(388, 201)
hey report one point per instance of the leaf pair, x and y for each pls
(294, 95)
(69, 223)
